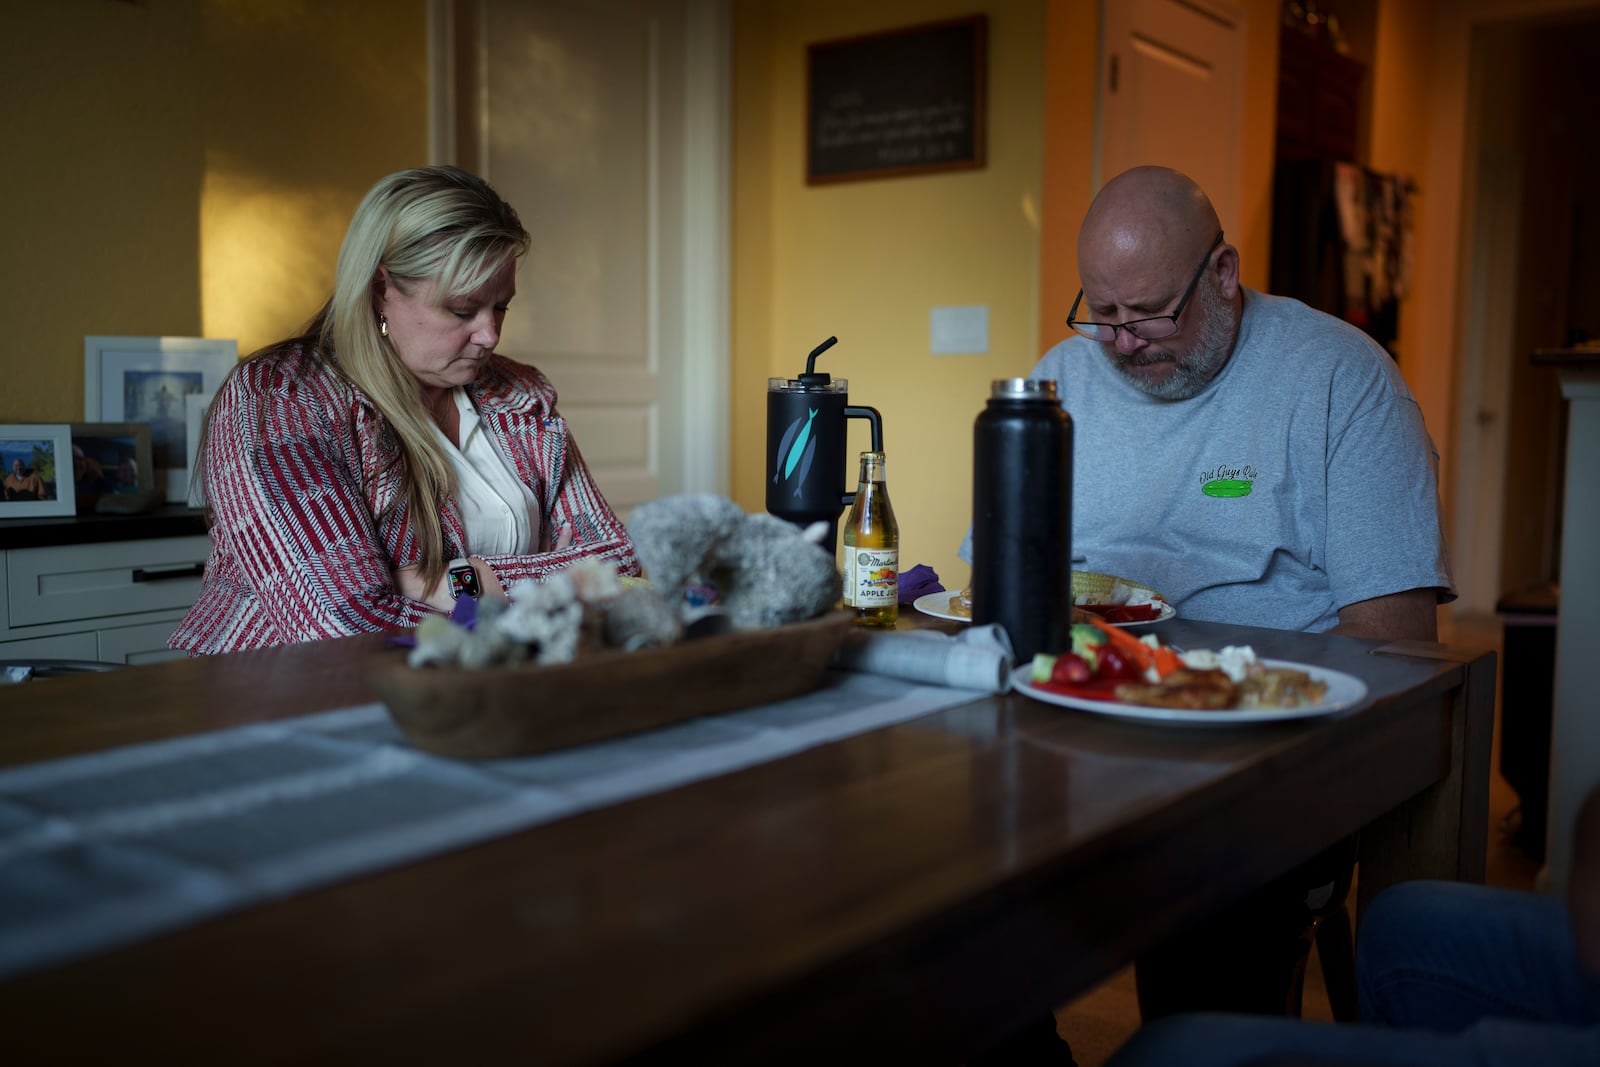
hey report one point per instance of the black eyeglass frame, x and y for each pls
(1132, 325)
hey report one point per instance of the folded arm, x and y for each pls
(577, 524)
(1408, 616)
(283, 481)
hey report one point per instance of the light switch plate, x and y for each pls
(960, 330)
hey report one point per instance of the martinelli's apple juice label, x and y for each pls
(872, 576)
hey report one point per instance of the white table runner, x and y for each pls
(101, 850)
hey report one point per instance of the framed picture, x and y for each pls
(111, 459)
(38, 470)
(898, 102)
(146, 379)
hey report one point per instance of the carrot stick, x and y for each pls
(1137, 652)
(1165, 660)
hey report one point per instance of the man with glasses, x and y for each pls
(1255, 460)
(1184, 379)
(1258, 462)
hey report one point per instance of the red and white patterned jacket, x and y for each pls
(298, 469)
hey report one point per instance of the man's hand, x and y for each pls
(1409, 616)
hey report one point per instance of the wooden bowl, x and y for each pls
(521, 710)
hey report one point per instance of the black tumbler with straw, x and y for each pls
(806, 422)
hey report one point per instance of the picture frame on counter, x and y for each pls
(37, 458)
(148, 380)
(112, 469)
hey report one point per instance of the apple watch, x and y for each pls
(463, 580)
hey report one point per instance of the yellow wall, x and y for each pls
(190, 167)
(310, 102)
(1069, 86)
(1399, 141)
(867, 261)
(101, 107)
(1258, 139)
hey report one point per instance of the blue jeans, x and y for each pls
(1450, 974)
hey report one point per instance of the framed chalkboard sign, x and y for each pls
(904, 101)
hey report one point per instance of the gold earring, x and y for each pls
(383, 324)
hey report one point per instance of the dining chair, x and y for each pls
(1333, 933)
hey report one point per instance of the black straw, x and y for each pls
(811, 360)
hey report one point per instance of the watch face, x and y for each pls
(464, 582)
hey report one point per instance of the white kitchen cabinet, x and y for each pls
(113, 601)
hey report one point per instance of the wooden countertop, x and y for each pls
(168, 521)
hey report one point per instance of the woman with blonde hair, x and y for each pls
(386, 461)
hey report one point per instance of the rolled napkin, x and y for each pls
(979, 657)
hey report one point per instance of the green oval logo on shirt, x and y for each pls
(1227, 487)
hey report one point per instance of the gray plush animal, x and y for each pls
(767, 571)
(672, 535)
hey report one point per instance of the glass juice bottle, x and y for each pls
(872, 549)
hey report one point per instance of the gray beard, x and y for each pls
(1213, 344)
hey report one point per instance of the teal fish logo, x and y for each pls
(796, 450)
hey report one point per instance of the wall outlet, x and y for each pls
(962, 330)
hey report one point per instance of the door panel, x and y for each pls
(1172, 80)
(579, 111)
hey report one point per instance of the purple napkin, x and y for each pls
(918, 581)
(464, 615)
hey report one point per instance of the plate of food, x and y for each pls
(1117, 600)
(945, 605)
(1111, 673)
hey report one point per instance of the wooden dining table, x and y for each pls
(910, 894)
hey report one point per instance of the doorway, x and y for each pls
(605, 123)
(1536, 200)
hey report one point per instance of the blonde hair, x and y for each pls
(438, 224)
(428, 224)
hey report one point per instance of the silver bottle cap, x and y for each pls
(1022, 389)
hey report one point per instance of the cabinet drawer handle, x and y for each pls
(152, 574)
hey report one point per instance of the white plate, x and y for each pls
(1167, 612)
(1344, 691)
(938, 605)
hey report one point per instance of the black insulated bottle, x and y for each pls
(1022, 516)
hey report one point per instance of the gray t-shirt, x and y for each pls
(1300, 481)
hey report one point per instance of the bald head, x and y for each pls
(1143, 218)
(1149, 250)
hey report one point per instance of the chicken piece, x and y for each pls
(1186, 689)
(1279, 687)
(961, 607)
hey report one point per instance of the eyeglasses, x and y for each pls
(1151, 329)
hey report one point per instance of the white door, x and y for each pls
(603, 123)
(1172, 93)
